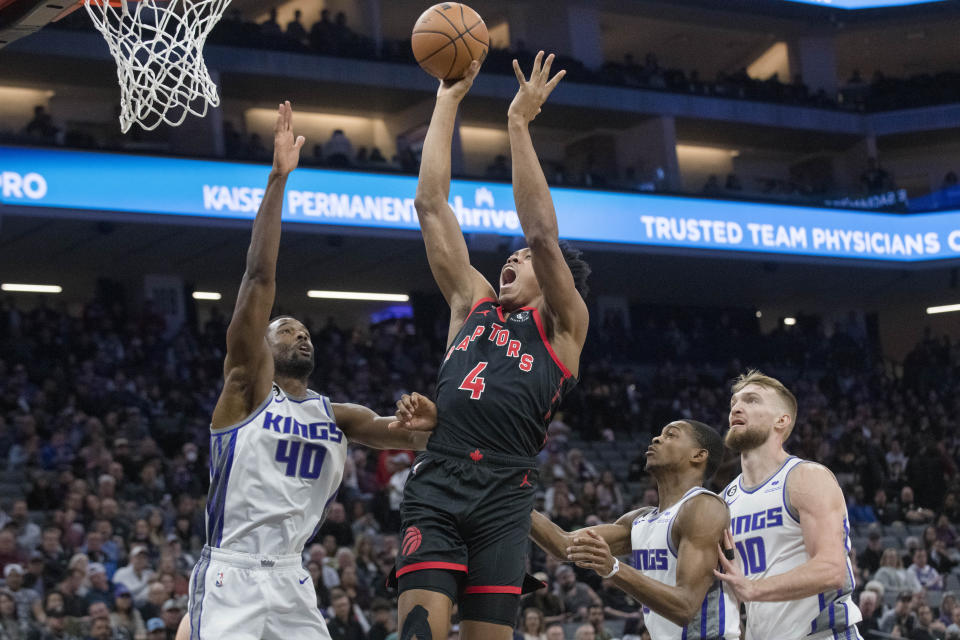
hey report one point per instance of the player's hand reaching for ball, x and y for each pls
(535, 91)
(590, 551)
(415, 413)
(457, 89)
(286, 147)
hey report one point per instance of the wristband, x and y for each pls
(616, 567)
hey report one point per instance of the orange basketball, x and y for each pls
(447, 38)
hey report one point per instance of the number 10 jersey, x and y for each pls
(769, 542)
(500, 382)
(273, 475)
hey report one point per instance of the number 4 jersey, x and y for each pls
(499, 383)
(769, 542)
(273, 475)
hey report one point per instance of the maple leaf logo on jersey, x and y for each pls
(411, 541)
(476, 456)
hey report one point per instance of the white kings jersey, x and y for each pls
(273, 475)
(769, 541)
(655, 556)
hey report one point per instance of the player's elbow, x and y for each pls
(684, 614)
(427, 202)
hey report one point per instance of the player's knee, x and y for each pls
(417, 625)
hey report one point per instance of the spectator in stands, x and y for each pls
(100, 589)
(270, 27)
(900, 616)
(55, 627)
(585, 632)
(156, 630)
(295, 29)
(28, 533)
(41, 125)
(893, 576)
(869, 558)
(548, 604)
(532, 626)
(576, 596)
(910, 512)
(337, 150)
(875, 180)
(136, 576)
(947, 605)
(555, 632)
(580, 469)
(869, 609)
(13, 626)
(384, 620)
(927, 576)
(885, 513)
(321, 33)
(9, 553)
(376, 157)
(336, 525)
(69, 588)
(28, 600)
(171, 614)
(858, 512)
(125, 616)
(595, 618)
(344, 625)
(927, 627)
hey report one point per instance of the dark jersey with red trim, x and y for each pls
(499, 384)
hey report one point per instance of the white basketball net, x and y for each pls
(158, 46)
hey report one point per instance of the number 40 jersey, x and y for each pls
(769, 542)
(273, 475)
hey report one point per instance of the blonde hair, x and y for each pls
(760, 379)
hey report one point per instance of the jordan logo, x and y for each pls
(526, 482)
(476, 456)
(484, 312)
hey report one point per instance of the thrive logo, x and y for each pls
(31, 186)
(485, 214)
(483, 196)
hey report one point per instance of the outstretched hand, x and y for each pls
(415, 413)
(286, 148)
(732, 574)
(535, 91)
(457, 89)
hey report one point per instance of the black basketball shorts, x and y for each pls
(466, 522)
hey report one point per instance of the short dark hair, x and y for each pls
(578, 267)
(708, 438)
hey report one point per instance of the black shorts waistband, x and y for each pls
(481, 456)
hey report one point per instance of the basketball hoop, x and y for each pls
(158, 47)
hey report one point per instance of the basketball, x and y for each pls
(447, 38)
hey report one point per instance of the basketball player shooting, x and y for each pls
(789, 523)
(675, 545)
(277, 451)
(510, 358)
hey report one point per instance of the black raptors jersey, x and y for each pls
(499, 383)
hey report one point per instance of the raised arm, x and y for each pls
(818, 500)
(535, 206)
(409, 429)
(248, 367)
(460, 283)
(699, 528)
(555, 541)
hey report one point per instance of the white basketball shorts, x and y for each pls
(253, 597)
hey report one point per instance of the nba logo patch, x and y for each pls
(219, 581)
